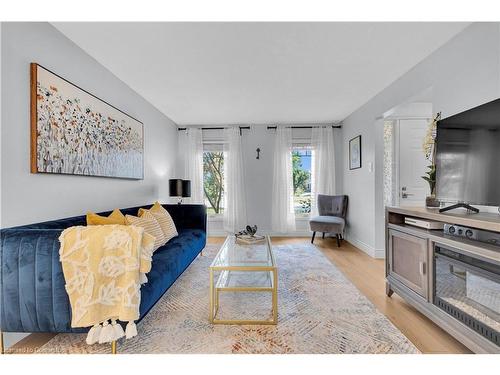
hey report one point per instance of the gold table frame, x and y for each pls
(225, 271)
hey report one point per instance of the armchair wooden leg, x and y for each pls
(312, 239)
(338, 240)
(323, 235)
(113, 347)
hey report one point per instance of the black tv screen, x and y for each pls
(468, 156)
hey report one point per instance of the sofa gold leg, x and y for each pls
(1, 343)
(201, 253)
(113, 347)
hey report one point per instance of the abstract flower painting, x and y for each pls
(74, 132)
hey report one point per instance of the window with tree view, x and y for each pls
(301, 172)
(213, 180)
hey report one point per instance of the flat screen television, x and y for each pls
(468, 156)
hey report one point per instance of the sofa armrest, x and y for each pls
(188, 216)
(33, 296)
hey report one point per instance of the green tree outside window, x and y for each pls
(213, 180)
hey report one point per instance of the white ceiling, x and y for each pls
(223, 73)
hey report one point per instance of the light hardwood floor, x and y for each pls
(367, 274)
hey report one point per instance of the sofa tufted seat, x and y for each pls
(170, 261)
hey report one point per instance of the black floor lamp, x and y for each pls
(179, 188)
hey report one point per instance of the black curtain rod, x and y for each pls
(269, 127)
(307, 127)
(241, 127)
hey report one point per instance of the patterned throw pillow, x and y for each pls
(150, 225)
(116, 217)
(164, 219)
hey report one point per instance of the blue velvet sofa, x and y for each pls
(33, 297)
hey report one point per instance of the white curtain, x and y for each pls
(323, 165)
(283, 216)
(235, 212)
(191, 147)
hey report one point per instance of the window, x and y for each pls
(213, 178)
(301, 172)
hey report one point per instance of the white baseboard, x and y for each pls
(292, 234)
(217, 233)
(363, 246)
(370, 250)
(380, 253)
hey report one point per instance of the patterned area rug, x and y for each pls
(320, 311)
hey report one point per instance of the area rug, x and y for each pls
(320, 311)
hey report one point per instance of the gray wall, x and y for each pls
(463, 73)
(259, 173)
(30, 197)
(26, 197)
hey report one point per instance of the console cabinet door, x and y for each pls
(408, 261)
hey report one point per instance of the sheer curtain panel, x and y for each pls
(235, 212)
(191, 145)
(283, 216)
(323, 165)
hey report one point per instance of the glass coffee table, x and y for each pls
(243, 268)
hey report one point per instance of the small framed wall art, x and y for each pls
(355, 153)
(75, 132)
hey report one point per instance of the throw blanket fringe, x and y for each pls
(107, 332)
(118, 330)
(94, 334)
(130, 330)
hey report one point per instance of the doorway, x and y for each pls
(405, 128)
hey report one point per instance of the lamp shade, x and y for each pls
(186, 188)
(175, 187)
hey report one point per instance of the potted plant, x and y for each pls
(429, 147)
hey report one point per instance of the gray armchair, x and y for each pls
(332, 211)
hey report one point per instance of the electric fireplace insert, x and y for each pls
(468, 289)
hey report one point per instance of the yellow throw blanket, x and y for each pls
(104, 267)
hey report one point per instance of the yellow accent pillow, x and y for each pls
(150, 225)
(166, 222)
(116, 217)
